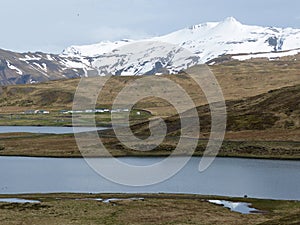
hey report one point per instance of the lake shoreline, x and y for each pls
(160, 195)
(149, 156)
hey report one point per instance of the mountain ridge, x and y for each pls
(167, 54)
(206, 31)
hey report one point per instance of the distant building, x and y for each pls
(38, 111)
(29, 112)
(91, 111)
(99, 110)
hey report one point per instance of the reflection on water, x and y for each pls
(45, 129)
(17, 200)
(241, 207)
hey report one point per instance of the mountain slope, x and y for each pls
(22, 68)
(278, 110)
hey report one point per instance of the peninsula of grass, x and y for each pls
(65, 146)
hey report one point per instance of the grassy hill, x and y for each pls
(238, 80)
(262, 99)
(267, 125)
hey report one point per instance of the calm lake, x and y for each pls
(273, 179)
(45, 129)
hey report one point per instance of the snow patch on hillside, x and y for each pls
(12, 67)
(270, 56)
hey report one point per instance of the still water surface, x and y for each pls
(45, 129)
(273, 179)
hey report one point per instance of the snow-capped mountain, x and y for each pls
(164, 54)
(200, 44)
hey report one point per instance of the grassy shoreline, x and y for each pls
(65, 146)
(161, 208)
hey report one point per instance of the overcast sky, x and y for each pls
(52, 25)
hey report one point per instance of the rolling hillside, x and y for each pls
(238, 80)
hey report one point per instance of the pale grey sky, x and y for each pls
(52, 25)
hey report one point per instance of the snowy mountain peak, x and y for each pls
(231, 20)
(230, 23)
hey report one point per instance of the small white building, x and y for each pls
(38, 111)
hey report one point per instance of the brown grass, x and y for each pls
(237, 79)
(154, 209)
